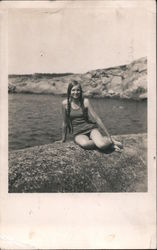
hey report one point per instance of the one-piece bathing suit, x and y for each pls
(79, 122)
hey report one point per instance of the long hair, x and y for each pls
(81, 99)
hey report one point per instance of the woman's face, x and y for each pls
(75, 92)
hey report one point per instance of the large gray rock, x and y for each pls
(68, 168)
(127, 81)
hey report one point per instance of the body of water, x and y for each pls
(37, 119)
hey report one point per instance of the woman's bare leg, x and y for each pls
(84, 142)
(97, 141)
(100, 141)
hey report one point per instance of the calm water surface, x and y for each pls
(37, 119)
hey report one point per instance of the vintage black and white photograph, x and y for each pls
(77, 130)
(77, 99)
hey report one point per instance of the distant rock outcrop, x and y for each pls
(68, 168)
(126, 81)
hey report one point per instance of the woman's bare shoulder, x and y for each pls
(64, 103)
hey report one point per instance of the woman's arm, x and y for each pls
(96, 117)
(64, 124)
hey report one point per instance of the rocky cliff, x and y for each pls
(125, 81)
(65, 167)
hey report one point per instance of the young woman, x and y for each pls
(76, 110)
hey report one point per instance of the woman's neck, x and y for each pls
(76, 101)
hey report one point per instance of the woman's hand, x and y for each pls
(63, 140)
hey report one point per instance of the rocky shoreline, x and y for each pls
(65, 167)
(125, 81)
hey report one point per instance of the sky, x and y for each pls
(74, 39)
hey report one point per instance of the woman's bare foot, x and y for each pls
(117, 149)
(118, 144)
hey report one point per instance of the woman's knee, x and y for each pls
(81, 141)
